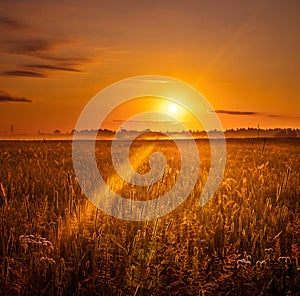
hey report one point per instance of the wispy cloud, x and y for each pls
(5, 97)
(9, 23)
(147, 121)
(30, 46)
(277, 116)
(21, 73)
(230, 112)
(53, 67)
(40, 48)
(66, 60)
(43, 49)
(282, 116)
(252, 113)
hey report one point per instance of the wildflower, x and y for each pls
(47, 260)
(27, 239)
(46, 242)
(242, 262)
(269, 251)
(284, 260)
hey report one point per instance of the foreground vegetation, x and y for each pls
(244, 241)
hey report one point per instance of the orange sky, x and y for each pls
(243, 56)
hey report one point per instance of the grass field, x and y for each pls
(244, 241)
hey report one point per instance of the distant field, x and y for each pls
(244, 241)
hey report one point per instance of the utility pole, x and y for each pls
(11, 129)
(258, 131)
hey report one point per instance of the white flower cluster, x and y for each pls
(261, 264)
(285, 260)
(47, 260)
(241, 263)
(27, 239)
(269, 251)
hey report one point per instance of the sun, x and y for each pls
(173, 108)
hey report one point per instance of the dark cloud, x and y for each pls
(230, 112)
(66, 60)
(43, 49)
(277, 116)
(22, 73)
(5, 97)
(9, 23)
(282, 116)
(52, 67)
(32, 47)
(40, 48)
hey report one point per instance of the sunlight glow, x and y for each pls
(173, 108)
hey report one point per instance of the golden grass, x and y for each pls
(244, 241)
